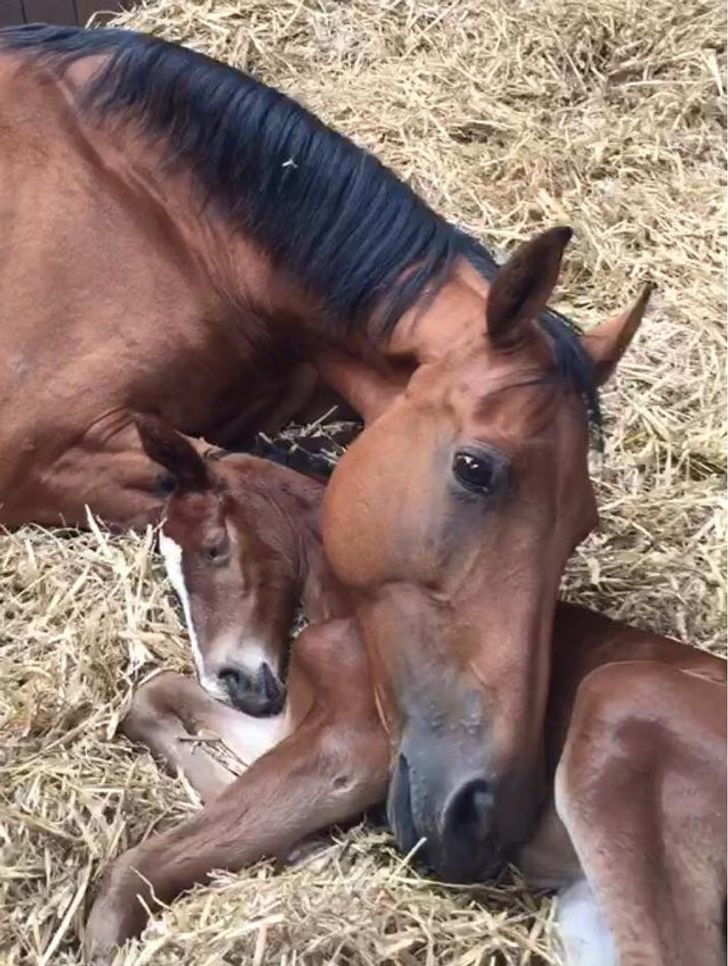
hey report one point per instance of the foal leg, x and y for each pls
(332, 767)
(548, 861)
(192, 733)
(641, 791)
(122, 489)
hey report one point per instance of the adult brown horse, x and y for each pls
(176, 238)
(633, 830)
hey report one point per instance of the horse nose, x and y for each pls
(260, 693)
(453, 815)
(467, 815)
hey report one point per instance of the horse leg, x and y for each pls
(641, 791)
(122, 489)
(192, 733)
(106, 470)
(330, 768)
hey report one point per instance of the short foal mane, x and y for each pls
(342, 224)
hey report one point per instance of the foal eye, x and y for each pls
(216, 553)
(474, 472)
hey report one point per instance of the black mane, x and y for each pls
(341, 223)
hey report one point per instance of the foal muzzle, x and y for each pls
(260, 694)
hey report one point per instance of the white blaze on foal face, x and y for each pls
(237, 656)
(232, 545)
(172, 555)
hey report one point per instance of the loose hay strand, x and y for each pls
(508, 116)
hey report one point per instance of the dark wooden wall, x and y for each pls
(14, 12)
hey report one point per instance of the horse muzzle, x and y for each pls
(443, 805)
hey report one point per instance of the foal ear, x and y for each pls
(523, 286)
(608, 341)
(170, 449)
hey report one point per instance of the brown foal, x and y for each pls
(632, 831)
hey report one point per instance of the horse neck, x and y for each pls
(238, 273)
(246, 277)
(453, 318)
(243, 276)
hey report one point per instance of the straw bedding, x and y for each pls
(507, 115)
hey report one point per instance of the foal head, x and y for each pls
(233, 540)
(451, 518)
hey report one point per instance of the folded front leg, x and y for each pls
(191, 732)
(331, 768)
(105, 470)
(641, 791)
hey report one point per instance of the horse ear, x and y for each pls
(523, 285)
(608, 341)
(170, 449)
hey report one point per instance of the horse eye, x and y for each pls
(474, 472)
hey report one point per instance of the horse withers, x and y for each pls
(158, 241)
(632, 830)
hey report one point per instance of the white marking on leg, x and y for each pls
(584, 933)
(172, 554)
(250, 738)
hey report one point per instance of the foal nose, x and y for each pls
(260, 693)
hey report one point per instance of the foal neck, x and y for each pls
(298, 499)
(322, 597)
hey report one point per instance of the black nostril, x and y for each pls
(271, 685)
(468, 814)
(235, 680)
(259, 694)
